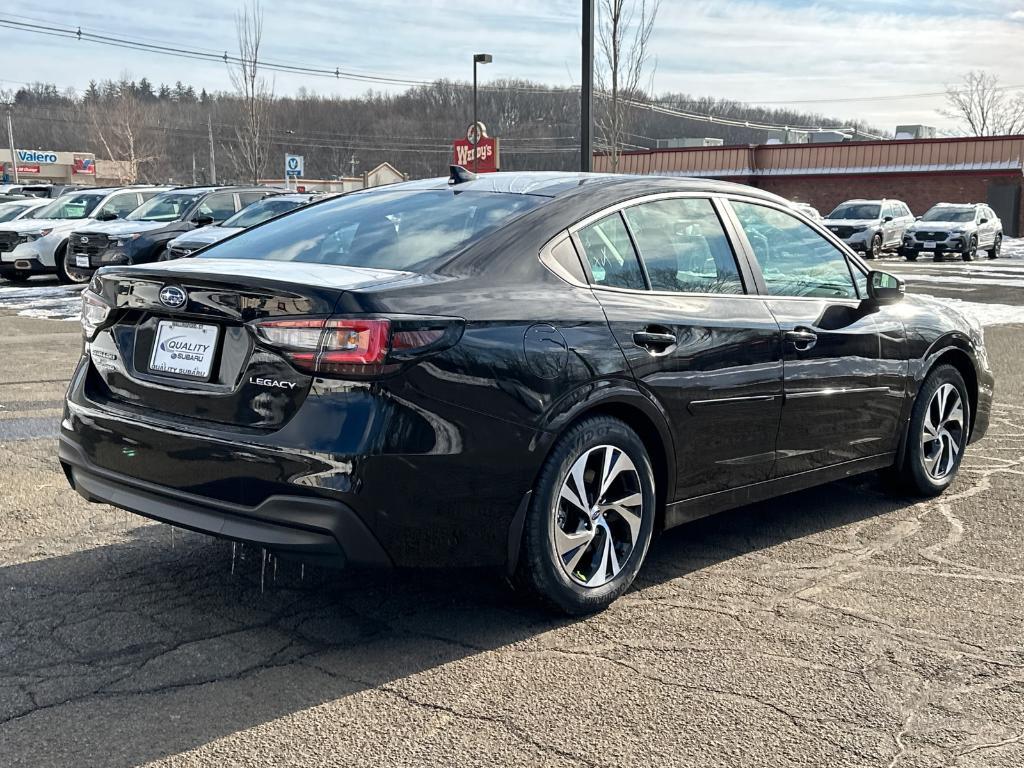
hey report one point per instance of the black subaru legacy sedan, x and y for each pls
(535, 372)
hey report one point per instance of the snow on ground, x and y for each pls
(986, 314)
(47, 302)
(1013, 248)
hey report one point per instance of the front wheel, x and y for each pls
(997, 247)
(68, 272)
(971, 250)
(591, 518)
(938, 433)
(875, 251)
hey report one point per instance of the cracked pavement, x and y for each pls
(839, 626)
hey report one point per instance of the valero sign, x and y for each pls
(37, 156)
(478, 152)
(83, 165)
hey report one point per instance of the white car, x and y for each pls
(870, 226)
(250, 216)
(807, 210)
(960, 228)
(36, 246)
(16, 210)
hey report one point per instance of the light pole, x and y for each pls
(478, 58)
(587, 89)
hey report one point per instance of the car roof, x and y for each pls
(957, 205)
(556, 184)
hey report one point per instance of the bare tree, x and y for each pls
(984, 107)
(124, 127)
(624, 32)
(251, 149)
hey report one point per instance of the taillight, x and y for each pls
(94, 314)
(328, 345)
(340, 346)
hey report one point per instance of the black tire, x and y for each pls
(71, 273)
(19, 277)
(913, 477)
(997, 247)
(971, 250)
(910, 256)
(540, 570)
(163, 255)
(60, 262)
(876, 247)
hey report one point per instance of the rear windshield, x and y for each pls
(856, 211)
(395, 229)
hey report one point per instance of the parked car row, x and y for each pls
(872, 227)
(85, 229)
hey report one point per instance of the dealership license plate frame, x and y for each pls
(82, 261)
(165, 327)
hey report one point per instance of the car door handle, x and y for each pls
(801, 338)
(654, 341)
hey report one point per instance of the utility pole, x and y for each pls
(352, 163)
(587, 89)
(193, 169)
(213, 157)
(10, 141)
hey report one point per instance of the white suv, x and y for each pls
(870, 226)
(963, 228)
(36, 246)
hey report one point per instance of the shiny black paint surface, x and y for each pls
(435, 456)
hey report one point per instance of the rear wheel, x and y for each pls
(997, 247)
(938, 433)
(590, 519)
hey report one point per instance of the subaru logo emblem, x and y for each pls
(83, 239)
(172, 296)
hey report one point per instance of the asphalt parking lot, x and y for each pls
(835, 627)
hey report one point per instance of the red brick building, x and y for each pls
(920, 172)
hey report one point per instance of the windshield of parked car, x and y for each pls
(855, 211)
(949, 214)
(72, 206)
(259, 212)
(401, 230)
(169, 206)
(8, 211)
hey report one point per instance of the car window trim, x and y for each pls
(844, 250)
(582, 252)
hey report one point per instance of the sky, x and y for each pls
(834, 57)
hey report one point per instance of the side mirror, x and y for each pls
(983, 221)
(887, 219)
(884, 288)
(107, 216)
(203, 221)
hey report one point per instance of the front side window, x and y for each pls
(120, 205)
(684, 247)
(610, 254)
(395, 229)
(794, 259)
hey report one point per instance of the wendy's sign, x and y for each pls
(478, 152)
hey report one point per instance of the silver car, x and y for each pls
(962, 228)
(870, 226)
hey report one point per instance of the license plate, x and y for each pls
(930, 245)
(184, 349)
(81, 261)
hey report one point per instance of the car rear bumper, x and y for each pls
(23, 265)
(316, 529)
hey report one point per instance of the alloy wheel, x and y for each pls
(597, 516)
(942, 432)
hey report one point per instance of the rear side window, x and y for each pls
(220, 206)
(610, 254)
(684, 247)
(794, 259)
(394, 229)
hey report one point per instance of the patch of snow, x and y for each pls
(1013, 248)
(46, 302)
(986, 314)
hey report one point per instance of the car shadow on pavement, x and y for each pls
(155, 645)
